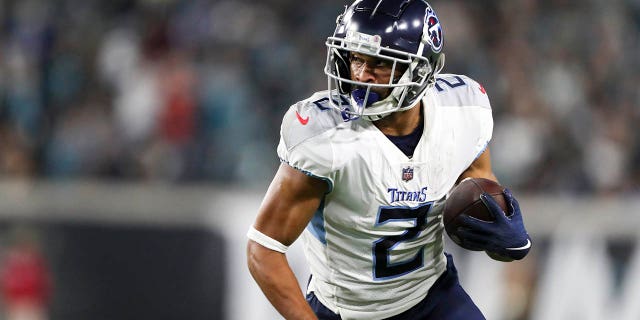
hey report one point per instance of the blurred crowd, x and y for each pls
(194, 91)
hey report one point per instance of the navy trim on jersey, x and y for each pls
(407, 144)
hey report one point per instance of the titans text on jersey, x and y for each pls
(396, 195)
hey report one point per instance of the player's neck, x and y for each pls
(401, 123)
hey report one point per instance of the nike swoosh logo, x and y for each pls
(525, 247)
(302, 120)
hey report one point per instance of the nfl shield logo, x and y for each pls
(407, 173)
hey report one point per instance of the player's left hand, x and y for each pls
(506, 237)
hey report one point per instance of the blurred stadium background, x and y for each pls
(137, 139)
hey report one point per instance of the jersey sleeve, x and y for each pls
(305, 142)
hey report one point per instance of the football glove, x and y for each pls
(503, 239)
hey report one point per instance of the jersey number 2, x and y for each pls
(383, 268)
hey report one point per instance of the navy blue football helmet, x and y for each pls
(405, 33)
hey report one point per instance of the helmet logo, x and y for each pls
(432, 31)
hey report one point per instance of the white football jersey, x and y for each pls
(375, 246)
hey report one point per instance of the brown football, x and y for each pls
(465, 198)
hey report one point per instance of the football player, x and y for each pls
(365, 168)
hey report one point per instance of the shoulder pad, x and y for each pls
(460, 90)
(309, 118)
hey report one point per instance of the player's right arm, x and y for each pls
(288, 206)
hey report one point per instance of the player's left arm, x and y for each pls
(480, 168)
(504, 239)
